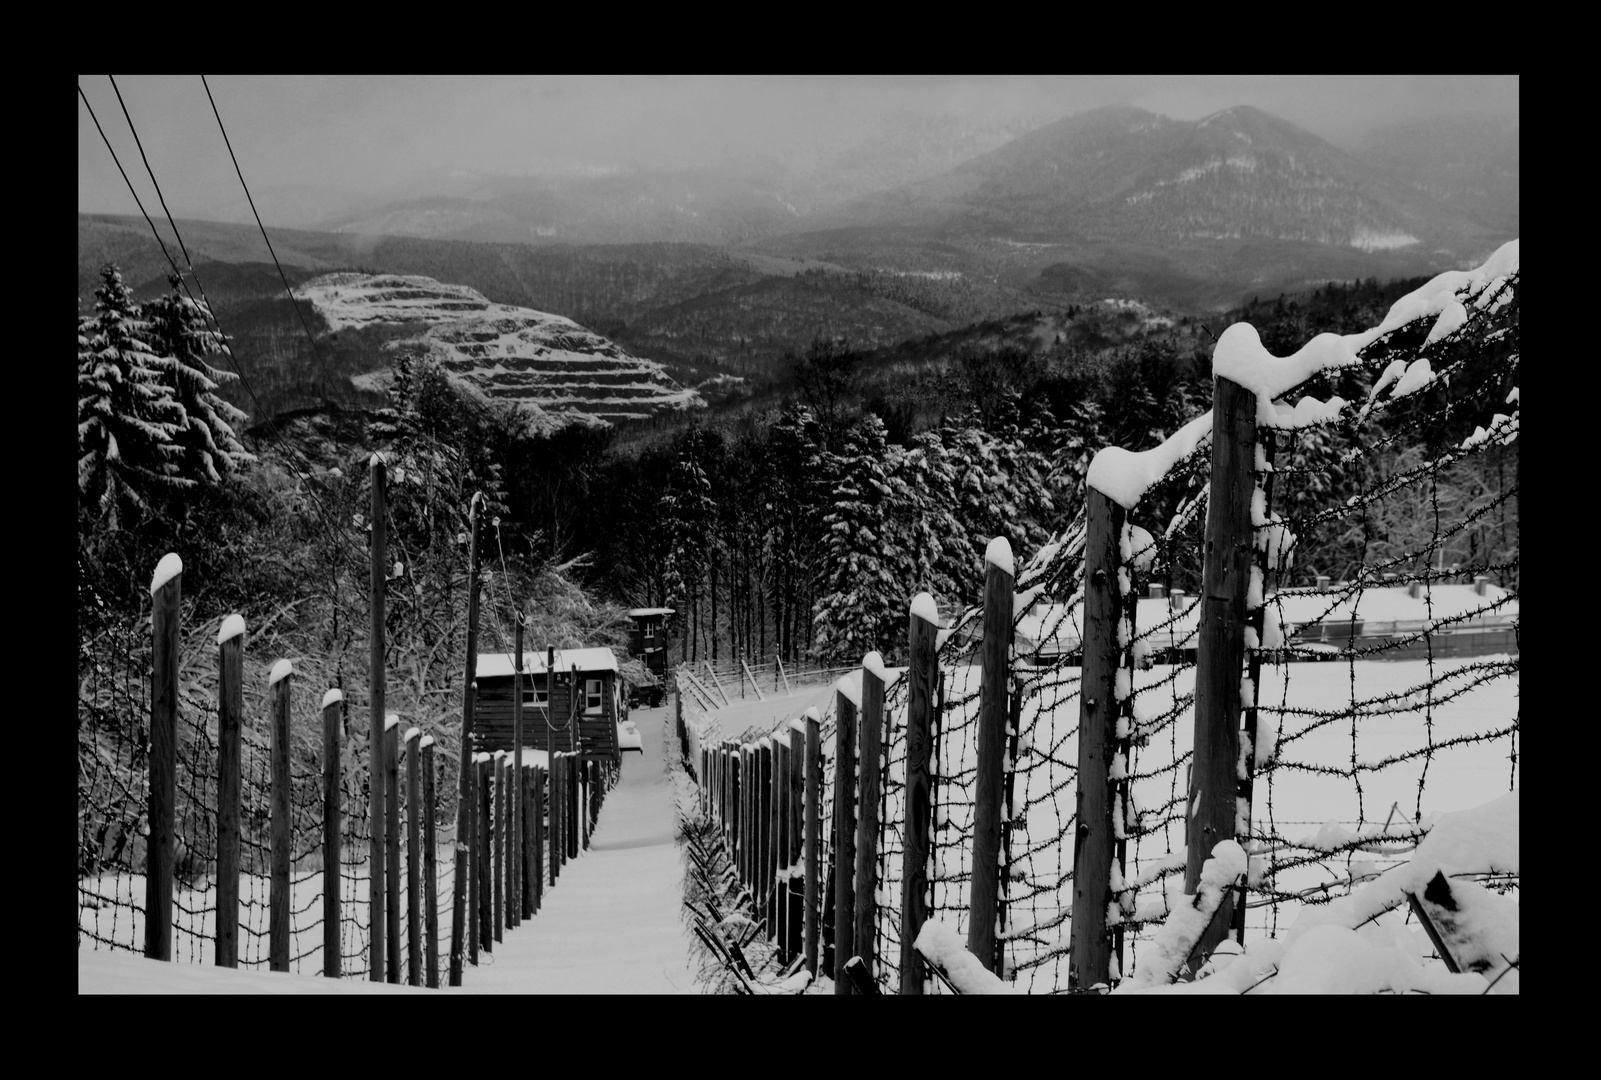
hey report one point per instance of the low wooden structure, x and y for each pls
(648, 641)
(571, 705)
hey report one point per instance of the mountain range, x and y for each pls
(914, 232)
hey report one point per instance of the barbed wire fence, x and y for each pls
(1379, 682)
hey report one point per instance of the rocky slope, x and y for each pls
(549, 366)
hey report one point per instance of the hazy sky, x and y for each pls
(371, 134)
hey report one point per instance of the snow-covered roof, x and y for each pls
(1391, 604)
(641, 612)
(499, 665)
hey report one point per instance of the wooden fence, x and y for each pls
(520, 817)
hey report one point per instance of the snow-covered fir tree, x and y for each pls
(128, 421)
(182, 338)
(687, 513)
(865, 573)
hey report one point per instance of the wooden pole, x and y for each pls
(332, 710)
(782, 860)
(1097, 725)
(392, 841)
(461, 877)
(557, 846)
(541, 848)
(988, 793)
(230, 713)
(486, 859)
(814, 789)
(166, 597)
(430, 863)
(474, 863)
(921, 675)
(378, 567)
(498, 767)
(1257, 621)
(530, 869)
(795, 882)
(519, 815)
(469, 695)
(844, 837)
(278, 889)
(872, 741)
(1220, 650)
(415, 811)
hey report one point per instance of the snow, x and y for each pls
(945, 949)
(1124, 475)
(168, 568)
(999, 554)
(332, 696)
(233, 626)
(279, 670)
(875, 663)
(428, 740)
(411, 733)
(499, 665)
(923, 607)
(1161, 960)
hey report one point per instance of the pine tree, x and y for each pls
(182, 339)
(128, 421)
(864, 579)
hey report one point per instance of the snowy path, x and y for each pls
(612, 923)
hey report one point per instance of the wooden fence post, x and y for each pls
(430, 862)
(486, 858)
(392, 841)
(461, 879)
(814, 789)
(166, 597)
(1097, 743)
(781, 858)
(541, 848)
(795, 881)
(279, 684)
(769, 864)
(475, 863)
(469, 696)
(844, 837)
(871, 770)
(230, 713)
(332, 962)
(519, 816)
(497, 765)
(1220, 649)
(995, 650)
(378, 577)
(415, 810)
(921, 675)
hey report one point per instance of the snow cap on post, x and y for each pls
(333, 695)
(168, 568)
(279, 670)
(924, 608)
(427, 740)
(376, 459)
(999, 554)
(233, 626)
(391, 720)
(812, 713)
(875, 663)
(411, 733)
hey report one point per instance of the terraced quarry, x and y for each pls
(548, 365)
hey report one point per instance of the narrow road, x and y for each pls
(612, 924)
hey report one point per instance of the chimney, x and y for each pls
(1415, 590)
(1177, 601)
(1156, 591)
(1323, 583)
(1481, 585)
